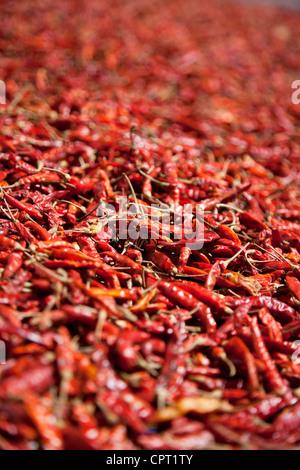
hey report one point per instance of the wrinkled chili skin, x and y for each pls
(162, 343)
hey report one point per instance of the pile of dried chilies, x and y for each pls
(149, 344)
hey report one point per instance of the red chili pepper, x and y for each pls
(173, 370)
(213, 276)
(41, 231)
(162, 261)
(236, 349)
(287, 422)
(275, 381)
(126, 349)
(24, 206)
(123, 260)
(283, 311)
(37, 379)
(184, 256)
(251, 222)
(293, 285)
(44, 421)
(14, 263)
(168, 339)
(189, 301)
(204, 295)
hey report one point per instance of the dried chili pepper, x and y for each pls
(177, 339)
